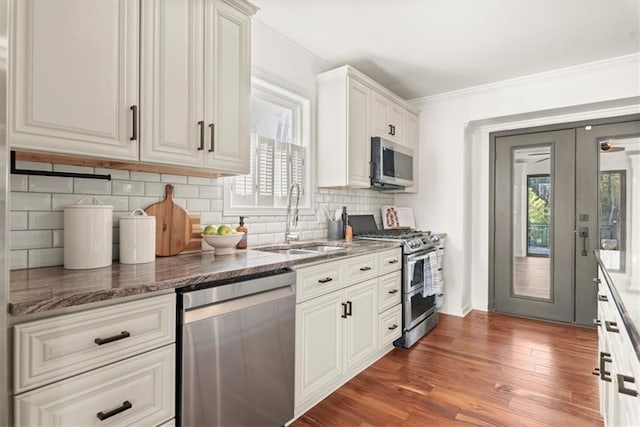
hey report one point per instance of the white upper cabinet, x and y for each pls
(227, 87)
(75, 80)
(352, 109)
(172, 107)
(196, 82)
(388, 119)
(74, 77)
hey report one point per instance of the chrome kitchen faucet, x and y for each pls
(288, 236)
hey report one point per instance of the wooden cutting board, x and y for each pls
(173, 227)
(195, 244)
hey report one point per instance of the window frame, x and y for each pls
(301, 127)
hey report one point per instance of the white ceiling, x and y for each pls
(423, 47)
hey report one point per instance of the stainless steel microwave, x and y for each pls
(391, 165)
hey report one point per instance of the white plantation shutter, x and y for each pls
(244, 185)
(265, 166)
(281, 169)
(298, 165)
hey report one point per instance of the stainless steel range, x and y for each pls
(419, 314)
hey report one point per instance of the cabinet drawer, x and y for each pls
(319, 280)
(390, 261)
(389, 287)
(51, 349)
(362, 268)
(141, 387)
(390, 325)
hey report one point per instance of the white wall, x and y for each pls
(454, 155)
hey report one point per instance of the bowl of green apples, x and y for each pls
(223, 238)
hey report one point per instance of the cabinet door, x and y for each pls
(319, 344)
(74, 77)
(172, 82)
(227, 87)
(413, 142)
(380, 125)
(358, 134)
(361, 336)
(396, 115)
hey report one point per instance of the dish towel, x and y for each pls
(427, 282)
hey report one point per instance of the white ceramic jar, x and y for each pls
(137, 238)
(88, 235)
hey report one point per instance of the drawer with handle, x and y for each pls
(390, 325)
(362, 267)
(319, 279)
(390, 260)
(51, 349)
(138, 391)
(389, 288)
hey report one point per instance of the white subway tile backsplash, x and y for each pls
(19, 183)
(145, 176)
(34, 166)
(127, 188)
(173, 179)
(211, 192)
(45, 220)
(46, 257)
(28, 239)
(40, 216)
(30, 202)
(18, 220)
(141, 202)
(196, 180)
(91, 186)
(18, 260)
(59, 201)
(58, 238)
(197, 205)
(72, 169)
(185, 191)
(50, 184)
(115, 173)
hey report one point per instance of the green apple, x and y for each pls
(210, 230)
(224, 230)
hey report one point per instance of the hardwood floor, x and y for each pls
(486, 370)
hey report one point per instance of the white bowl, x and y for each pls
(224, 244)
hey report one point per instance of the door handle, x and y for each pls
(201, 124)
(604, 374)
(134, 111)
(583, 232)
(390, 129)
(611, 326)
(349, 308)
(212, 126)
(344, 310)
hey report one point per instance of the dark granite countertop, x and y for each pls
(42, 289)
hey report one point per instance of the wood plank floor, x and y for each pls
(485, 369)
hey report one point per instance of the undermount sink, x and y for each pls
(302, 250)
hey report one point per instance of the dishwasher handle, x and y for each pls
(229, 306)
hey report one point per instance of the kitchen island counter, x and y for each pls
(50, 288)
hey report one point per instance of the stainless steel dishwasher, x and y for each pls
(236, 364)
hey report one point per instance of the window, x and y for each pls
(613, 219)
(280, 129)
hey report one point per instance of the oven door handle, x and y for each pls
(412, 259)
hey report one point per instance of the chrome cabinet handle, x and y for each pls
(325, 280)
(622, 389)
(120, 336)
(201, 124)
(104, 415)
(212, 126)
(611, 326)
(134, 110)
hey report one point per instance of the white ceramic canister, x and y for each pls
(88, 235)
(137, 238)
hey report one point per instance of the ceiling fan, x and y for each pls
(607, 145)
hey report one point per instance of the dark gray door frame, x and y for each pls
(492, 171)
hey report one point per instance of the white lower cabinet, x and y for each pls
(338, 331)
(106, 366)
(137, 391)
